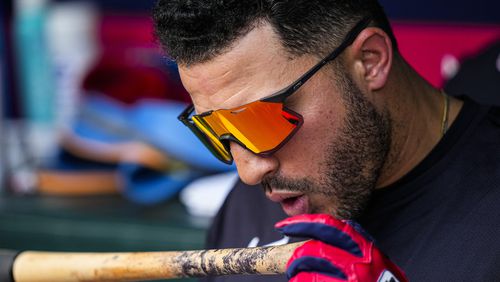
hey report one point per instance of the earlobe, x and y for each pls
(374, 50)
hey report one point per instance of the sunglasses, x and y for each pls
(262, 126)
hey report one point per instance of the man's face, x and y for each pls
(332, 163)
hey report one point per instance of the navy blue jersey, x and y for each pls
(440, 222)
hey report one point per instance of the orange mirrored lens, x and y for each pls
(260, 126)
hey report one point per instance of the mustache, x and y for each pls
(279, 182)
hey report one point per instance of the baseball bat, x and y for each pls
(38, 266)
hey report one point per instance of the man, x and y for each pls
(312, 100)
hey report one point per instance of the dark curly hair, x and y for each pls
(194, 31)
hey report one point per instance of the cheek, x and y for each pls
(307, 148)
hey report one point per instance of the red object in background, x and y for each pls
(127, 75)
(131, 66)
(127, 30)
(433, 49)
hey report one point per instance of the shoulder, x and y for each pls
(480, 132)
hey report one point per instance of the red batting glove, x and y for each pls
(340, 251)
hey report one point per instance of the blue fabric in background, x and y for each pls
(148, 187)
(152, 122)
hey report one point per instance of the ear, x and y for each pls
(372, 51)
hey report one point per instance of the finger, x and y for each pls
(314, 264)
(360, 230)
(336, 256)
(326, 229)
(318, 218)
(314, 277)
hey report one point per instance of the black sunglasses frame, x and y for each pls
(278, 97)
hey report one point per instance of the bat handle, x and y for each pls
(6, 261)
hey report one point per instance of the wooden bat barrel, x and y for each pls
(57, 267)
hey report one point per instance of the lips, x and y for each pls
(292, 203)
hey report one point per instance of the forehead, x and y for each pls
(254, 67)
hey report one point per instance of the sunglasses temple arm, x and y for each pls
(348, 40)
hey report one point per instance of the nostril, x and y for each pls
(252, 168)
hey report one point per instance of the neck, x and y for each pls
(417, 111)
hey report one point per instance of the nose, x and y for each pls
(252, 168)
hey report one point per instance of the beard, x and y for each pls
(354, 159)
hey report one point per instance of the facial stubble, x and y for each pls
(353, 162)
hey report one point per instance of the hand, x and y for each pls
(339, 251)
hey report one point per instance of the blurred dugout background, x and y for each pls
(91, 155)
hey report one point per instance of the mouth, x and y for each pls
(292, 203)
